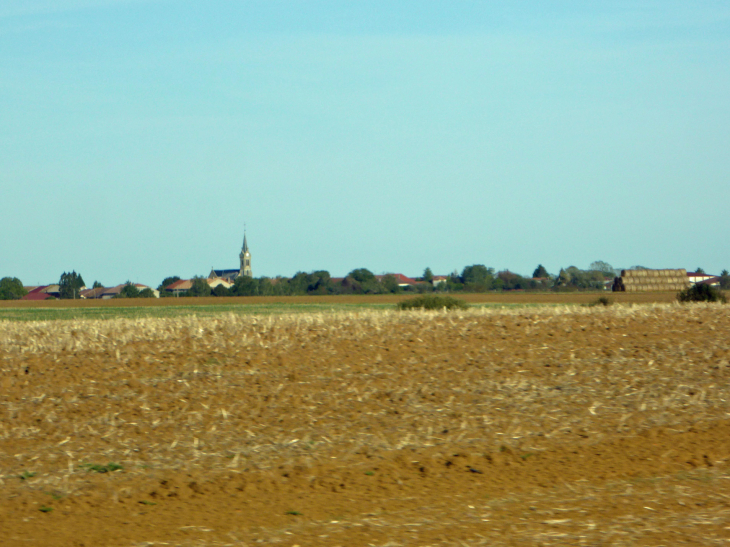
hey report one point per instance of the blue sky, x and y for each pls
(137, 137)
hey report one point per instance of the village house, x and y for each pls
(107, 293)
(402, 280)
(41, 292)
(179, 288)
(701, 277)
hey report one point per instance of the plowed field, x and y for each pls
(534, 426)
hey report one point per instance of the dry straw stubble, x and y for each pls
(252, 413)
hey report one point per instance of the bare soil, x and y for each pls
(533, 426)
(507, 298)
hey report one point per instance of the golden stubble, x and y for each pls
(308, 392)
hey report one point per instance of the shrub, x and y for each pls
(432, 302)
(701, 293)
(602, 301)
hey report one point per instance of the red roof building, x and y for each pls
(38, 293)
(111, 292)
(402, 280)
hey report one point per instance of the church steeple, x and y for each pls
(245, 258)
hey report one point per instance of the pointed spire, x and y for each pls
(245, 245)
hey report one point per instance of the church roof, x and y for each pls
(224, 274)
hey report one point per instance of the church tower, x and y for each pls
(245, 259)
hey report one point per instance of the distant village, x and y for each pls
(475, 278)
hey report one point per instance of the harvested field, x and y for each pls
(527, 426)
(138, 308)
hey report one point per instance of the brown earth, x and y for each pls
(514, 297)
(540, 426)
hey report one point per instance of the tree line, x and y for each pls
(473, 278)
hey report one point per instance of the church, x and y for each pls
(245, 269)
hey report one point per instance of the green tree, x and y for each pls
(512, 281)
(428, 275)
(244, 286)
(265, 286)
(540, 284)
(200, 287)
(279, 286)
(220, 290)
(390, 283)
(97, 285)
(350, 285)
(540, 272)
(146, 293)
(476, 273)
(477, 277)
(453, 283)
(11, 288)
(563, 279)
(700, 271)
(725, 280)
(362, 275)
(604, 267)
(422, 288)
(320, 283)
(300, 283)
(575, 278)
(70, 284)
(363, 281)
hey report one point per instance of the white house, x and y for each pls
(696, 277)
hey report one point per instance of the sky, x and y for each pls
(138, 138)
